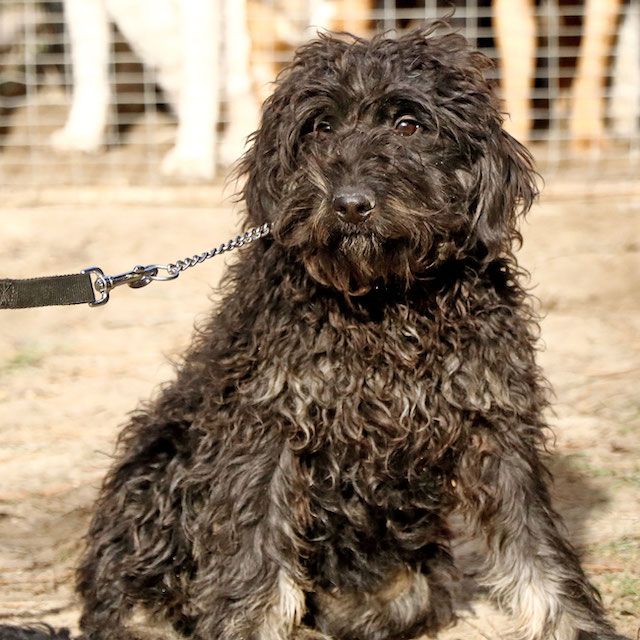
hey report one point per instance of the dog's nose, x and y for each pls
(353, 205)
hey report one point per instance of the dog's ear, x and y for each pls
(259, 169)
(270, 156)
(273, 155)
(501, 183)
(503, 187)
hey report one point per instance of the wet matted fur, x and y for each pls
(369, 373)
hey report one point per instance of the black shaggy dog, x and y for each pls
(369, 374)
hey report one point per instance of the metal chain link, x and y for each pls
(174, 269)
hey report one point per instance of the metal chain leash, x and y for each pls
(174, 269)
(141, 276)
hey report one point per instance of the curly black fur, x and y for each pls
(35, 632)
(361, 381)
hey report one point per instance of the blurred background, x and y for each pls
(91, 91)
(119, 120)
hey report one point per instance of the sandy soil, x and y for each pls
(68, 376)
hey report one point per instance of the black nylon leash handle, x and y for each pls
(48, 291)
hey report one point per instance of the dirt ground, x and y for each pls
(68, 376)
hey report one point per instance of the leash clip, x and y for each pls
(138, 277)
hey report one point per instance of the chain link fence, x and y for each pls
(574, 93)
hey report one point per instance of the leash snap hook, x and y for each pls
(138, 277)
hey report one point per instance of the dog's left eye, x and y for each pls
(406, 126)
(323, 127)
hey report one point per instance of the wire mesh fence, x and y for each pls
(569, 72)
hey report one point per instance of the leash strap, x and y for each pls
(76, 288)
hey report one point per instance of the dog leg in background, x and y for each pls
(198, 100)
(625, 88)
(263, 24)
(531, 569)
(351, 16)
(515, 27)
(275, 30)
(586, 123)
(243, 111)
(89, 35)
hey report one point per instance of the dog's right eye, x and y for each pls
(406, 126)
(323, 127)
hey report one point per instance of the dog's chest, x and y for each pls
(368, 393)
(360, 406)
(378, 466)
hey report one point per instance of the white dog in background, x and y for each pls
(181, 40)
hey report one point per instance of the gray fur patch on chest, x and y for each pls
(346, 389)
(395, 381)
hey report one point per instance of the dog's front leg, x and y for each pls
(531, 569)
(250, 583)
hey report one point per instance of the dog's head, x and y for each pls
(377, 160)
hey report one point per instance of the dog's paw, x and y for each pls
(72, 139)
(189, 164)
(586, 120)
